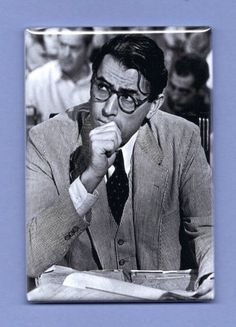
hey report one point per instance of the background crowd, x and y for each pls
(58, 71)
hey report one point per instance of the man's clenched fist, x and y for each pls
(104, 143)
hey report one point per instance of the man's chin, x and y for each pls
(66, 69)
(176, 108)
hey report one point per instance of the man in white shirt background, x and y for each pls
(62, 83)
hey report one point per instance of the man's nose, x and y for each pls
(175, 95)
(110, 107)
(66, 51)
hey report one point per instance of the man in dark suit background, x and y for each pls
(151, 209)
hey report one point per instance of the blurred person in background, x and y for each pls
(34, 52)
(200, 44)
(40, 48)
(173, 44)
(50, 39)
(186, 94)
(61, 83)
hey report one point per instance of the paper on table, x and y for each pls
(60, 293)
(165, 280)
(137, 292)
(57, 274)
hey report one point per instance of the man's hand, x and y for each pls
(104, 143)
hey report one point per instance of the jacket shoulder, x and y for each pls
(62, 129)
(174, 126)
(174, 133)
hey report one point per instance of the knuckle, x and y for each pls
(110, 144)
(113, 134)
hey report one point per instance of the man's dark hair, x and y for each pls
(87, 37)
(138, 52)
(194, 65)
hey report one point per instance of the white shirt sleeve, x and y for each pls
(82, 200)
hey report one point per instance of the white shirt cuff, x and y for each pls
(82, 200)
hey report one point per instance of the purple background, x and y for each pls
(15, 16)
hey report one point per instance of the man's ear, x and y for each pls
(155, 105)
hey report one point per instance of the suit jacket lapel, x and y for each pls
(79, 159)
(149, 180)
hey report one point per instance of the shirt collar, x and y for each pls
(127, 151)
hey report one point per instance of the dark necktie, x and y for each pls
(118, 188)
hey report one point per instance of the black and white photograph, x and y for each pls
(119, 164)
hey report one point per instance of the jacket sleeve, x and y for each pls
(52, 221)
(196, 205)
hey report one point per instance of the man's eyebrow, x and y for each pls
(130, 91)
(71, 46)
(102, 79)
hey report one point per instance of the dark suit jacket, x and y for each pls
(167, 219)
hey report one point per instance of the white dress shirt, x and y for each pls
(49, 91)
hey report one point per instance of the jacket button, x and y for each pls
(121, 242)
(67, 237)
(121, 262)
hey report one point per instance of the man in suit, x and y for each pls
(92, 206)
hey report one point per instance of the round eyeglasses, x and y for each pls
(101, 91)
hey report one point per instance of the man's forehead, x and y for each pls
(182, 81)
(119, 76)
